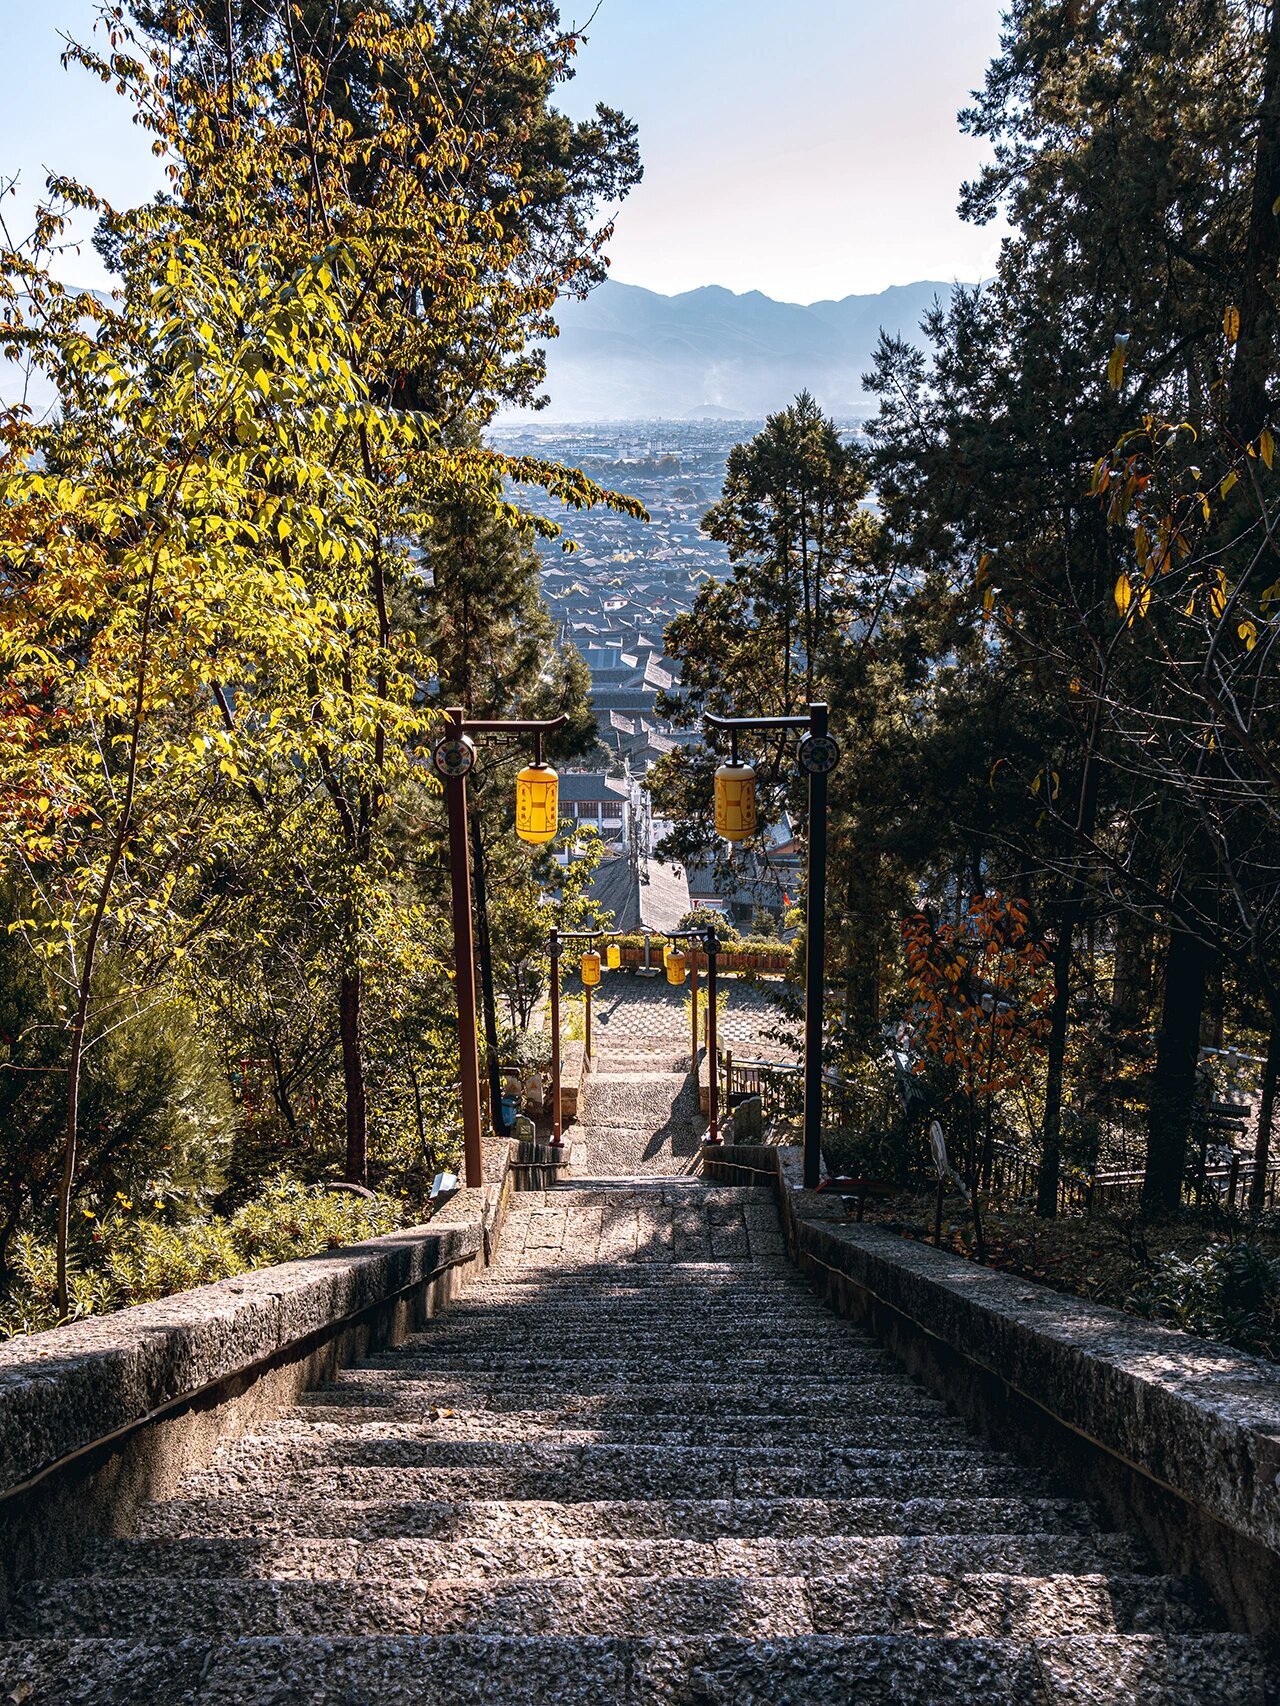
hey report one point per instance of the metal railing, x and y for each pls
(778, 1083)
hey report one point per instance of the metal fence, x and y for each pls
(1219, 1174)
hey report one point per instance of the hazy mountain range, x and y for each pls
(627, 352)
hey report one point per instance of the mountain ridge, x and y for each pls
(629, 352)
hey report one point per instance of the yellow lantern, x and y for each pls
(537, 804)
(613, 956)
(590, 970)
(676, 968)
(736, 802)
(668, 948)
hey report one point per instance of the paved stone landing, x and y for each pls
(636, 1465)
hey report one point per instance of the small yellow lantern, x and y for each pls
(537, 804)
(736, 802)
(676, 965)
(613, 956)
(590, 969)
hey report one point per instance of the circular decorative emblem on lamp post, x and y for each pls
(819, 754)
(453, 756)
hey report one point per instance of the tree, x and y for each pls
(452, 275)
(768, 638)
(976, 1019)
(1123, 259)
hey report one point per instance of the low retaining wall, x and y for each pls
(1175, 1436)
(98, 1417)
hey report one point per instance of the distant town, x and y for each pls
(613, 598)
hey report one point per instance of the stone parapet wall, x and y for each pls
(102, 1415)
(1173, 1434)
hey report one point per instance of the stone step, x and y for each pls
(561, 1334)
(294, 1447)
(709, 1432)
(849, 1400)
(643, 1189)
(400, 1515)
(756, 1608)
(676, 1289)
(669, 1065)
(878, 1557)
(664, 1292)
(592, 1472)
(638, 1367)
(818, 1670)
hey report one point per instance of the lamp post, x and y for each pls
(453, 757)
(818, 755)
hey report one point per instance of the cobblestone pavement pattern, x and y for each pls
(636, 1464)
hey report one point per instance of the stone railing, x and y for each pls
(102, 1415)
(1175, 1435)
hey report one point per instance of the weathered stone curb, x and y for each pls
(99, 1416)
(1174, 1433)
(574, 1067)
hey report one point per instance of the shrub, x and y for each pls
(1230, 1292)
(525, 1049)
(870, 1136)
(290, 1219)
(138, 1258)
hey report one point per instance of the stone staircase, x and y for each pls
(636, 1463)
(641, 1114)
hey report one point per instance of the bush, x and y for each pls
(1231, 1292)
(700, 917)
(290, 1219)
(871, 1137)
(138, 1258)
(525, 1049)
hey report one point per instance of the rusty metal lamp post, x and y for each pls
(453, 756)
(818, 754)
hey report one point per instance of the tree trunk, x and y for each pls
(1266, 1109)
(1051, 1154)
(484, 957)
(1131, 976)
(350, 990)
(1173, 1088)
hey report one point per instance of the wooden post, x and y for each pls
(464, 965)
(713, 1060)
(693, 1001)
(554, 948)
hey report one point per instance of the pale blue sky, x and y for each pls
(807, 150)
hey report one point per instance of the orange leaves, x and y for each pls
(979, 989)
